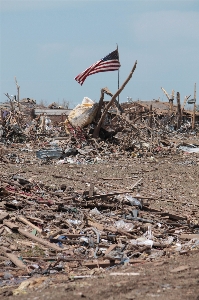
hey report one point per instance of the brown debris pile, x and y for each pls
(81, 199)
(48, 229)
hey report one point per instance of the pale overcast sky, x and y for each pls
(45, 44)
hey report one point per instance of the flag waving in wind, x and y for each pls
(108, 63)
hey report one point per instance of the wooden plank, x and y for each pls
(101, 264)
(112, 247)
(175, 217)
(39, 240)
(179, 269)
(71, 235)
(136, 261)
(185, 236)
(96, 225)
(25, 221)
(101, 227)
(125, 233)
(3, 216)
(59, 231)
(13, 258)
(2, 257)
(110, 229)
(91, 190)
(10, 225)
(36, 220)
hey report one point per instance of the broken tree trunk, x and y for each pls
(194, 109)
(98, 126)
(18, 87)
(194, 116)
(150, 116)
(170, 106)
(179, 115)
(98, 115)
(11, 103)
(107, 92)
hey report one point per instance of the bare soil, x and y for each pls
(156, 281)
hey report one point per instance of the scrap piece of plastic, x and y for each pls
(133, 201)
(95, 211)
(123, 225)
(49, 153)
(142, 241)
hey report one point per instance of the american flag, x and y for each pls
(108, 63)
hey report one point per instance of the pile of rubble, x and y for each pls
(72, 219)
(75, 230)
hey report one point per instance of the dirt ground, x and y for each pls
(173, 183)
(155, 281)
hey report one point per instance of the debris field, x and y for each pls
(100, 195)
